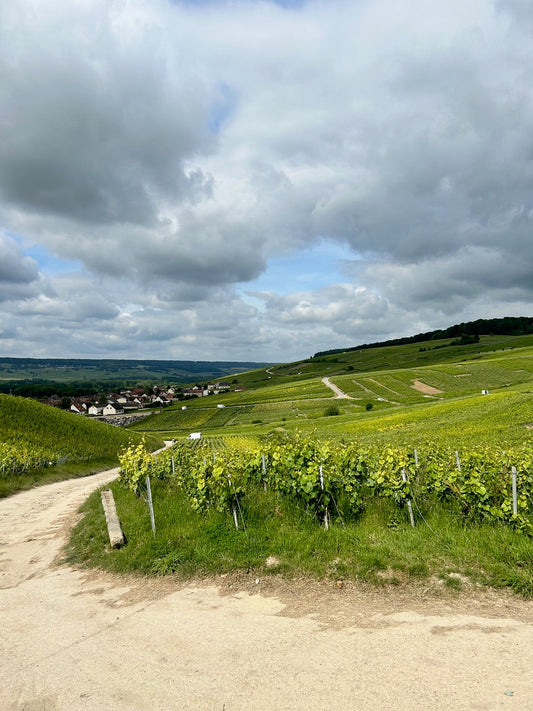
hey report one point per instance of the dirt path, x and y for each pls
(76, 640)
(385, 387)
(363, 387)
(338, 392)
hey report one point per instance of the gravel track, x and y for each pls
(338, 392)
(76, 640)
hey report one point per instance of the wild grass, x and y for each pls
(379, 546)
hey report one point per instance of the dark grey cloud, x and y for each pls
(175, 149)
(100, 122)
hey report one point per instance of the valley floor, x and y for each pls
(73, 639)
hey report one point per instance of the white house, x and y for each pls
(112, 408)
(160, 400)
(195, 392)
(95, 410)
(219, 387)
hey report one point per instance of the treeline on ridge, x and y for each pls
(507, 326)
(46, 388)
(165, 367)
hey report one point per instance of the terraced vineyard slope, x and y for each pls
(483, 399)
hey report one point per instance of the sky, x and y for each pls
(260, 180)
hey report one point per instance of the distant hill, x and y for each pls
(38, 377)
(508, 326)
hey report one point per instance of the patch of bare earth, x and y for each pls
(425, 389)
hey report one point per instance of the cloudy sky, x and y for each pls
(259, 180)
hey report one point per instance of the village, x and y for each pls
(137, 399)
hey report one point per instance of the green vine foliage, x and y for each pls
(330, 477)
(19, 458)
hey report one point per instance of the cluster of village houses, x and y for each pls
(138, 398)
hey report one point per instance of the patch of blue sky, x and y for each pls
(309, 270)
(49, 264)
(222, 108)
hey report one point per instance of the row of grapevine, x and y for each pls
(331, 478)
(19, 458)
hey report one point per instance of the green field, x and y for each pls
(384, 358)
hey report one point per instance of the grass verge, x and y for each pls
(11, 483)
(379, 547)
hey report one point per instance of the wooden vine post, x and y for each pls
(409, 505)
(263, 465)
(114, 529)
(233, 507)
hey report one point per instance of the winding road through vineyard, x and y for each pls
(74, 639)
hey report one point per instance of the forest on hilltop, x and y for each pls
(507, 326)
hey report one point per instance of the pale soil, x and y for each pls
(338, 392)
(73, 639)
(363, 387)
(426, 389)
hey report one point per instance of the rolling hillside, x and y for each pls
(393, 393)
(40, 443)
(15, 372)
(407, 394)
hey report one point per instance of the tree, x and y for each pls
(65, 403)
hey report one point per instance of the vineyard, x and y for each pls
(384, 406)
(336, 482)
(400, 483)
(36, 440)
(19, 458)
